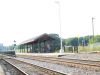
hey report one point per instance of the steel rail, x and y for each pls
(24, 73)
(71, 62)
(46, 69)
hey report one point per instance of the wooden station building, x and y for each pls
(44, 43)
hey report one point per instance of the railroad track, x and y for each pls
(84, 64)
(16, 68)
(30, 69)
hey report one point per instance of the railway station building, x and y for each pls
(44, 43)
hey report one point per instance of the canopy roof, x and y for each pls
(40, 38)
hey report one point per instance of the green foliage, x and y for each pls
(82, 41)
(71, 41)
(89, 48)
(96, 39)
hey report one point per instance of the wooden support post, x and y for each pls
(20, 48)
(32, 47)
(24, 48)
(39, 47)
(27, 48)
(44, 47)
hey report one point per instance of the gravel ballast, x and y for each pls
(60, 68)
(83, 56)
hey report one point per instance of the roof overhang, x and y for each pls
(40, 38)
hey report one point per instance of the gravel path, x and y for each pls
(60, 68)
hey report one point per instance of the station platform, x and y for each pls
(1, 71)
(45, 54)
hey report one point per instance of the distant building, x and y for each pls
(1, 46)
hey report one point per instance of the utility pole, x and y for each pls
(93, 27)
(59, 11)
(93, 30)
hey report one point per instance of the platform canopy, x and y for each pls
(40, 38)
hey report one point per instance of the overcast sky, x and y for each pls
(23, 19)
